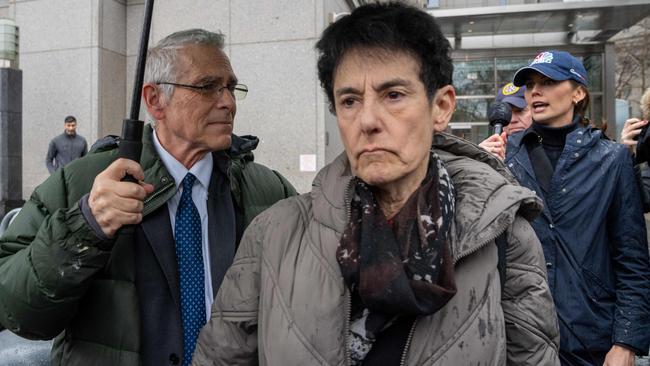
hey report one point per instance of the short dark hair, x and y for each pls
(391, 27)
(69, 119)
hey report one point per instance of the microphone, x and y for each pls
(499, 115)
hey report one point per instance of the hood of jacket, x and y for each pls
(487, 195)
(243, 146)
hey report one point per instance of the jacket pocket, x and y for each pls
(588, 325)
(596, 289)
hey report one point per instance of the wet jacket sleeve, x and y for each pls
(532, 332)
(47, 258)
(629, 250)
(230, 337)
(49, 158)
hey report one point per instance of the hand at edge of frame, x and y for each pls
(619, 356)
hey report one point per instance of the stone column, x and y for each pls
(11, 137)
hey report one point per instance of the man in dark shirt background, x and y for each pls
(66, 147)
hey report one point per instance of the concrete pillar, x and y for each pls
(609, 92)
(11, 165)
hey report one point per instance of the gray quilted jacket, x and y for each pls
(283, 301)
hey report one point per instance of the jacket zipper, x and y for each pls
(481, 245)
(348, 201)
(408, 342)
(348, 296)
(348, 311)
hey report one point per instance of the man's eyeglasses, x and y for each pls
(214, 91)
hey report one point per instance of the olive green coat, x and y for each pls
(58, 279)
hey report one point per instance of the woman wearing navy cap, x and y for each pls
(592, 228)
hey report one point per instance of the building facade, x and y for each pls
(494, 38)
(78, 58)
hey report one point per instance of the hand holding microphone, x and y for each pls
(499, 115)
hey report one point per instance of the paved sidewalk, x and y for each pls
(16, 351)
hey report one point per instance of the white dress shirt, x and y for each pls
(202, 170)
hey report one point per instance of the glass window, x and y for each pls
(470, 131)
(474, 77)
(596, 110)
(471, 110)
(482, 132)
(506, 68)
(470, 3)
(476, 82)
(594, 66)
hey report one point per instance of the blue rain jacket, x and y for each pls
(593, 235)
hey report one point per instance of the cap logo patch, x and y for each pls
(543, 58)
(576, 74)
(509, 89)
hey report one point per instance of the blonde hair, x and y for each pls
(645, 104)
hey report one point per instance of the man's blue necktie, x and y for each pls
(189, 254)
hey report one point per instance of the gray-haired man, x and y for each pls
(110, 298)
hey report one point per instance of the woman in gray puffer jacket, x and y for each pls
(391, 259)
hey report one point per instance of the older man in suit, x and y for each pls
(111, 296)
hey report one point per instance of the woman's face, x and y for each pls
(385, 117)
(552, 102)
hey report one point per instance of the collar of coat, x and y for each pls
(155, 172)
(581, 137)
(487, 194)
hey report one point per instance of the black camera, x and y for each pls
(643, 145)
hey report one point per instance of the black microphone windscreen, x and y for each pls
(499, 113)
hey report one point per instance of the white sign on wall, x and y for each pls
(307, 162)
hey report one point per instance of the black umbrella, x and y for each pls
(131, 142)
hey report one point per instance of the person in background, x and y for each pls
(635, 135)
(633, 126)
(66, 147)
(124, 273)
(592, 227)
(521, 119)
(392, 259)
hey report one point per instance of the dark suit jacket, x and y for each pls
(157, 278)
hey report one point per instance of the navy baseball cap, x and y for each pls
(512, 95)
(556, 65)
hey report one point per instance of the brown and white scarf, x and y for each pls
(401, 270)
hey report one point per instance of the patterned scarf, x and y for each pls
(404, 270)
